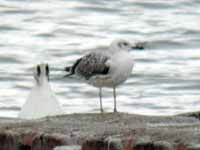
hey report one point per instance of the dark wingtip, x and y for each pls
(67, 75)
(71, 69)
(67, 69)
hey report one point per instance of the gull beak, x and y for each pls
(132, 48)
(138, 46)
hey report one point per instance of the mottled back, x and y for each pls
(92, 64)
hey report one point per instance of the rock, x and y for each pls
(115, 141)
(163, 145)
(180, 146)
(144, 146)
(27, 138)
(8, 140)
(129, 143)
(24, 147)
(99, 144)
(194, 147)
(47, 142)
(39, 141)
(145, 142)
(116, 131)
(71, 147)
(143, 139)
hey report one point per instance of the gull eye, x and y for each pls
(121, 44)
(125, 44)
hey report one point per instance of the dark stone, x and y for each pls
(29, 141)
(98, 145)
(152, 146)
(24, 147)
(180, 146)
(8, 141)
(163, 145)
(144, 146)
(47, 142)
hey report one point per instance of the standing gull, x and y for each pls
(105, 68)
(41, 101)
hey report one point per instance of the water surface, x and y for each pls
(166, 76)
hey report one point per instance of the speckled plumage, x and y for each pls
(106, 68)
(91, 65)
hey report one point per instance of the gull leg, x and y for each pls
(100, 96)
(115, 102)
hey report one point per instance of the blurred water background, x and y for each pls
(166, 76)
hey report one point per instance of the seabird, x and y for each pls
(105, 68)
(41, 101)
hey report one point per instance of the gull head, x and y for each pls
(121, 45)
(41, 73)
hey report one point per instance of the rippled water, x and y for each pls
(166, 77)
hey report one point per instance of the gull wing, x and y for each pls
(91, 65)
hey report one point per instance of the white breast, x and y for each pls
(121, 66)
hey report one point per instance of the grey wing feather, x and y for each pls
(92, 64)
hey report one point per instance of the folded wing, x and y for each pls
(91, 65)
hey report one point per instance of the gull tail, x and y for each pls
(71, 69)
(68, 69)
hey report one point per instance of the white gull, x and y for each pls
(105, 68)
(41, 101)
